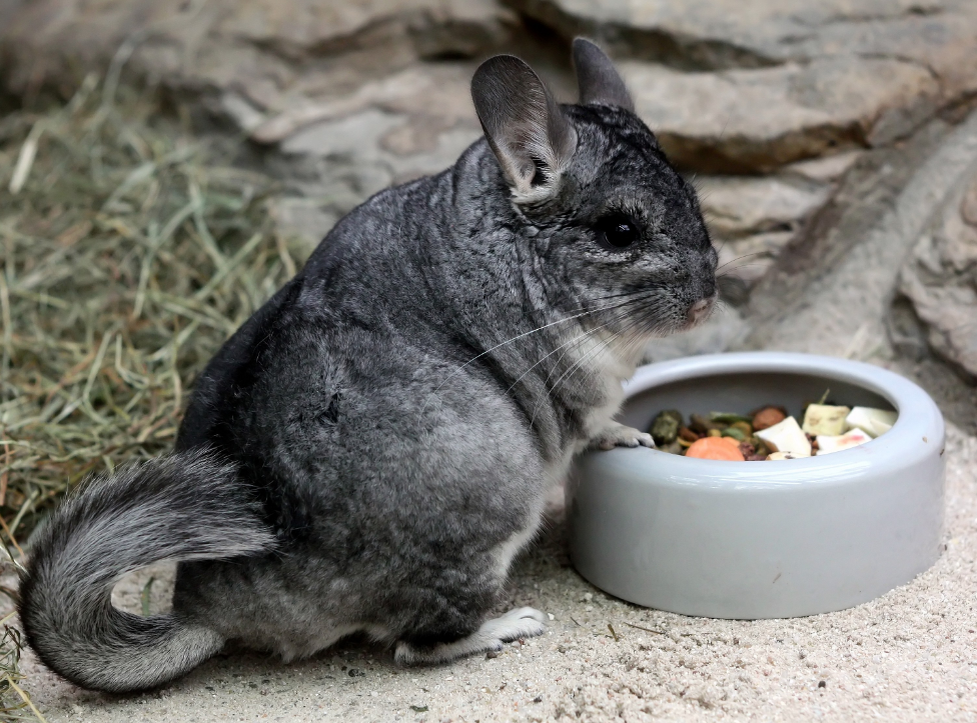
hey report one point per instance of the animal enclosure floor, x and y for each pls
(909, 656)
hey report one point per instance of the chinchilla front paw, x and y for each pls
(619, 435)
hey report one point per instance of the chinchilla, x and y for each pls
(372, 448)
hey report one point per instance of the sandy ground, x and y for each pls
(908, 656)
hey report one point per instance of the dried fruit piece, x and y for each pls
(734, 433)
(673, 448)
(825, 419)
(871, 420)
(775, 456)
(745, 427)
(664, 427)
(767, 417)
(716, 448)
(786, 437)
(727, 418)
(828, 444)
(687, 434)
(701, 425)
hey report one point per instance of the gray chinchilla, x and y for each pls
(372, 448)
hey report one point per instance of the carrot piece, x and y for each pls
(716, 448)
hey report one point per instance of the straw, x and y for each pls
(130, 252)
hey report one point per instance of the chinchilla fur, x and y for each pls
(372, 448)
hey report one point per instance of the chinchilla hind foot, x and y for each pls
(515, 624)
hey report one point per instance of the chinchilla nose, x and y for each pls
(700, 309)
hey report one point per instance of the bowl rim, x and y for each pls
(908, 442)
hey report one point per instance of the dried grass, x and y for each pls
(130, 252)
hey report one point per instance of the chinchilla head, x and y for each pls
(616, 231)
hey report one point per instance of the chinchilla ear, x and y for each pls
(531, 138)
(597, 78)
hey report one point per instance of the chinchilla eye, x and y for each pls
(617, 232)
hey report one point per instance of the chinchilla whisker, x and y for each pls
(737, 268)
(564, 346)
(509, 341)
(578, 364)
(744, 256)
(637, 298)
(521, 336)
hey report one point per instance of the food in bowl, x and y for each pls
(769, 433)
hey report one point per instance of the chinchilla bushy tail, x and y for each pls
(185, 507)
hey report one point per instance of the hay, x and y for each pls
(130, 252)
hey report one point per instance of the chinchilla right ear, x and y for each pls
(531, 138)
(597, 78)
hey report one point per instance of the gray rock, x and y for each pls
(744, 261)
(724, 329)
(747, 120)
(828, 168)
(260, 48)
(831, 290)
(413, 123)
(787, 79)
(740, 205)
(937, 299)
(722, 34)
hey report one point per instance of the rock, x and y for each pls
(746, 120)
(828, 168)
(436, 96)
(744, 261)
(736, 206)
(939, 282)
(260, 48)
(723, 330)
(940, 35)
(9, 8)
(416, 122)
(749, 86)
(304, 219)
(830, 289)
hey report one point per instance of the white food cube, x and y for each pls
(828, 444)
(873, 421)
(825, 419)
(786, 436)
(785, 455)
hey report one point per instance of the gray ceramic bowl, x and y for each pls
(761, 539)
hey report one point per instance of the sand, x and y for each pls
(910, 655)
